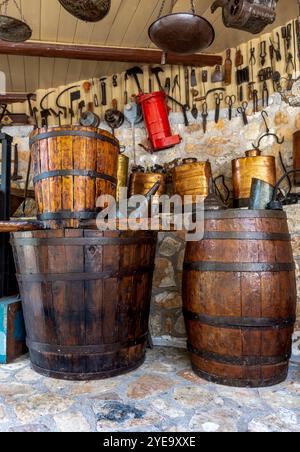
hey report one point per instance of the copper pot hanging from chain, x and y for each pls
(181, 33)
(87, 10)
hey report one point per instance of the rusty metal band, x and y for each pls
(247, 236)
(67, 215)
(239, 360)
(74, 173)
(53, 277)
(73, 133)
(232, 214)
(240, 322)
(87, 241)
(239, 383)
(238, 267)
(85, 349)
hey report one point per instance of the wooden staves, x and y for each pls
(73, 166)
(253, 166)
(86, 299)
(239, 294)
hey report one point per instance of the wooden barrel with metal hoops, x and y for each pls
(191, 178)
(239, 294)
(86, 299)
(73, 166)
(253, 166)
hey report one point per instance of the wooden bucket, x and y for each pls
(239, 295)
(73, 166)
(86, 300)
(253, 166)
(192, 178)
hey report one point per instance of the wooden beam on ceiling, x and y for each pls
(95, 53)
(15, 98)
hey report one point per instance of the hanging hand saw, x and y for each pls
(62, 109)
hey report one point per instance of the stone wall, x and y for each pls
(223, 142)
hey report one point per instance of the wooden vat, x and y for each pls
(239, 295)
(86, 300)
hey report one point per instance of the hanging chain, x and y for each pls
(172, 4)
(193, 7)
(5, 5)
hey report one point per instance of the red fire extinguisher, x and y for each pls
(156, 117)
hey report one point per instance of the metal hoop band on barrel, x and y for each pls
(74, 173)
(73, 133)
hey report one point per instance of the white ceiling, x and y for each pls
(126, 26)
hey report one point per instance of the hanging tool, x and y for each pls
(297, 25)
(187, 87)
(228, 68)
(16, 175)
(168, 85)
(33, 111)
(176, 85)
(252, 61)
(204, 116)
(62, 109)
(194, 111)
(243, 111)
(255, 101)
(46, 112)
(277, 48)
(290, 65)
(193, 78)
(125, 89)
(263, 53)
(217, 75)
(103, 91)
(89, 118)
(219, 97)
(74, 96)
(265, 95)
(135, 72)
(204, 78)
(239, 59)
(230, 101)
(115, 81)
(265, 115)
(134, 116)
(113, 117)
(289, 36)
(156, 71)
(81, 106)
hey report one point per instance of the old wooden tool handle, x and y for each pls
(20, 226)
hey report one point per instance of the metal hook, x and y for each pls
(267, 134)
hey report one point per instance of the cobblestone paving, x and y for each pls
(162, 396)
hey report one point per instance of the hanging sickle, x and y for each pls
(64, 110)
(46, 112)
(267, 134)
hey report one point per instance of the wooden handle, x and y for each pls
(20, 226)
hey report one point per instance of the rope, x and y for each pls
(5, 3)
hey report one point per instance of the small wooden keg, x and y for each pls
(297, 157)
(141, 183)
(253, 166)
(192, 178)
(239, 296)
(123, 168)
(73, 166)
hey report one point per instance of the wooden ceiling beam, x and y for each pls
(95, 53)
(15, 98)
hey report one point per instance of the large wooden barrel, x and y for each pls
(244, 170)
(192, 178)
(239, 294)
(73, 166)
(86, 300)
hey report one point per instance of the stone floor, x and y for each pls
(162, 396)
